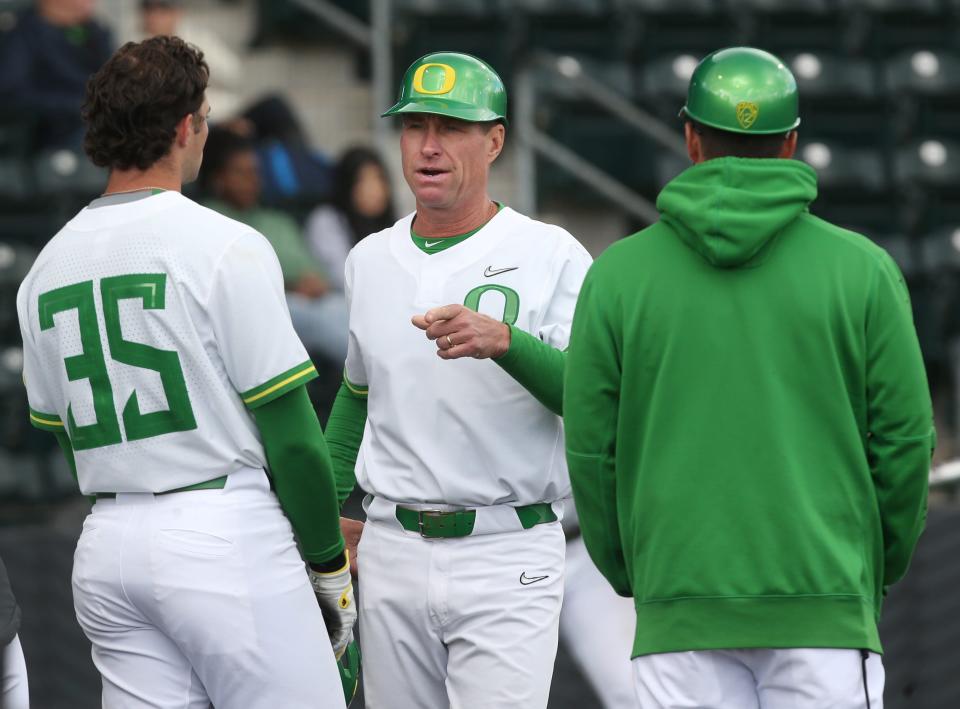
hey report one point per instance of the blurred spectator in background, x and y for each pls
(45, 61)
(169, 17)
(361, 204)
(231, 178)
(290, 171)
(13, 671)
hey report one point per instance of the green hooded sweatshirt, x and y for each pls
(748, 425)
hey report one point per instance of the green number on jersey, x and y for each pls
(89, 364)
(511, 301)
(150, 289)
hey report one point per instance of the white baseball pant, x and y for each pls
(448, 623)
(201, 597)
(14, 693)
(801, 678)
(596, 628)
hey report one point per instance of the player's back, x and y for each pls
(133, 318)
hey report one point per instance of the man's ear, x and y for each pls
(694, 147)
(789, 148)
(184, 130)
(497, 135)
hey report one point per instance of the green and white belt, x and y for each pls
(447, 524)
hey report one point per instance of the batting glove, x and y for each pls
(334, 593)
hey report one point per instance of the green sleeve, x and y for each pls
(344, 433)
(302, 472)
(537, 366)
(900, 421)
(591, 407)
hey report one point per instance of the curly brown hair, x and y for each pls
(134, 102)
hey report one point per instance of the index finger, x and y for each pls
(444, 312)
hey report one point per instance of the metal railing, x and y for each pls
(374, 37)
(533, 142)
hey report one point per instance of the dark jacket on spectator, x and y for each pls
(45, 71)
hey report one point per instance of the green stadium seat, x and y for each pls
(924, 90)
(68, 173)
(585, 27)
(900, 248)
(785, 25)
(898, 24)
(940, 250)
(424, 26)
(663, 83)
(614, 75)
(927, 175)
(13, 181)
(842, 170)
(839, 97)
(695, 26)
(929, 162)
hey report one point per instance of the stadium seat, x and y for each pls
(615, 75)
(673, 26)
(839, 97)
(897, 24)
(940, 250)
(927, 174)
(663, 83)
(15, 262)
(586, 27)
(901, 249)
(924, 90)
(930, 162)
(13, 182)
(460, 8)
(8, 13)
(785, 25)
(847, 171)
(65, 172)
(472, 26)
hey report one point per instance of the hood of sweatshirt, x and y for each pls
(728, 209)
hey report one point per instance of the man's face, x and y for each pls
(161, 20)
(196, 139)
(238, 183)
(446, 161)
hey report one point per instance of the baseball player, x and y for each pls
(596, 625)
(462, 555)
(158, 348)
(14, 693)
(748, 424)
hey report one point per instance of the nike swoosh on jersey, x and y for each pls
(431, 244)
(527, 580)
(490, 271)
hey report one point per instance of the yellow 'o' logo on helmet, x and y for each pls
(441, 79)
(747, 113)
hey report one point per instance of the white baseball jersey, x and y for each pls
(147, 327)
(460, 432)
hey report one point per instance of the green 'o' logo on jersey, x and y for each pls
(511, 301)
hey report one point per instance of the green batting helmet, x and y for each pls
(349, 666)
(743, 90)
(452, 84)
